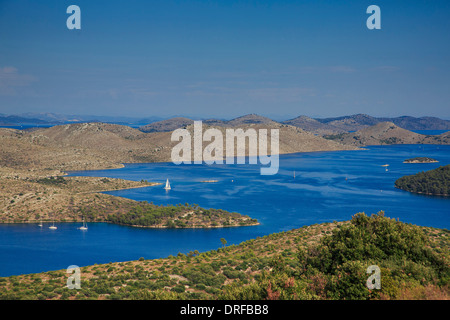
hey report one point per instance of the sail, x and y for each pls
(84, 227)
(167, 187)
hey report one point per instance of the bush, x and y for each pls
(179, 288)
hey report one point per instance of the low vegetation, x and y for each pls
(326, 261)
(144, 214)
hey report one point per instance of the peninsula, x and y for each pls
(432, 182)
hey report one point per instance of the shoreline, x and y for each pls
(193, 227)
(350, 148)
(423, 193)
(163, 258)
(415, 162)
(132, 226)
(124, 164)
(135, 187)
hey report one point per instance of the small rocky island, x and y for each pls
(420, 160)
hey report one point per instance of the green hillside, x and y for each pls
(433, 182)
(326, 261)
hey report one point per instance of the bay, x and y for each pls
(328, 186)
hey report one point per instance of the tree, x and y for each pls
(224, 242)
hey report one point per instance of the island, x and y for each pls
(420, 160)
(149, 215)
(432, 182)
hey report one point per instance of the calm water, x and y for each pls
(328, 186)
(430, 132)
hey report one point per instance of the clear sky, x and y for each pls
(225, 58)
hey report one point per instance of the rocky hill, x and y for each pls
(248, 120)
(181, 122)
(78, 147)
(351, 123)
(423, 123)
(167, 125)
(387, 133)
(313, 125)
(361, 121)
(84, 146)
(317, 125)
(291, 139)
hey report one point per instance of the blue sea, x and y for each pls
(430, 132)
(327, 187)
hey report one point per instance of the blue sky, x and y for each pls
(225, 58)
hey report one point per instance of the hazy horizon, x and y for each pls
(138, 119)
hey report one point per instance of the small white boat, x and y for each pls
(40, 224)
(53, 227)
(167, 187)
(84, 226)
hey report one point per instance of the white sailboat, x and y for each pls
(53, 227)
(167, 187)
(40, 224)
(84, 226)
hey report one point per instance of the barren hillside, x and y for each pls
(99, 145)
(313, 125)
(388, 133)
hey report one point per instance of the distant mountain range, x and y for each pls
(314, 125)
(97, 145)
(325, 126)
(360, 121)
(318, 126)
(14, 120)
(178, 122)
(57, 119)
